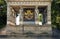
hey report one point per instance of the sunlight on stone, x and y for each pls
(8, 22)
(40, 23)
(17, 20)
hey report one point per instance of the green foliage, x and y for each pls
(3, 9)
(40, 17)
(1, 2)
(57, 19)
(55, 12)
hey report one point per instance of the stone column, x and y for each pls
(21, 16)
(49, 14)
(8, 12)
(8, 28)
(9, 16)
(36, 15)
(49, 28)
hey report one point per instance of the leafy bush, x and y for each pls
(3, 11)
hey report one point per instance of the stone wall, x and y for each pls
(24, 28)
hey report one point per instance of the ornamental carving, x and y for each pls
(29, 15)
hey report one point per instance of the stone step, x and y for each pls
(29, 35)
(33, 29)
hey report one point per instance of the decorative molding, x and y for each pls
(29, 0)
(29, 3)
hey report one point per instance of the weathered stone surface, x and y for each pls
(28, 0)
(33, 29)
(12, 27)
(37, 29)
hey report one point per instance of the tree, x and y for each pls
(3, 9)
(55, 12)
